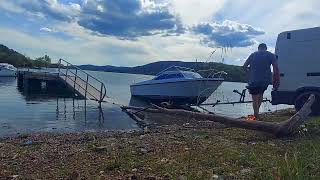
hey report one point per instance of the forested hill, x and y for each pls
(12, 57)
(18, 60)
(235, 73)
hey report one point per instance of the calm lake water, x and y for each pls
(22, 112)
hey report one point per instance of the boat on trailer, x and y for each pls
(178, 85)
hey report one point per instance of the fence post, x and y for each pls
(85, 95)
(67, 72)
(101, 94)
(59, 67)
(75, 79)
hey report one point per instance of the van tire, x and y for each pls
(302, 98)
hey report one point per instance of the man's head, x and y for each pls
(262, 47)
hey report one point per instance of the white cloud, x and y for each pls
(195, 11)
(227, 34)
(46, 29)
(85, 46)
(10, 6)
(274, 16)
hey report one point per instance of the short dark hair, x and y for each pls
(262, 46)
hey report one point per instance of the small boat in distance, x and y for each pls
(178, 85)
(7, 70)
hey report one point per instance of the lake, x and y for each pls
(22, 112)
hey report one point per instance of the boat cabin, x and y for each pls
(178, 75)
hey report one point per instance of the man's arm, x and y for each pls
(276, 75)
(246, 64)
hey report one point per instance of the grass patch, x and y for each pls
(294, 167)
(112, 166)
(169, 152)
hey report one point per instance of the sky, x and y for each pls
(136, 32)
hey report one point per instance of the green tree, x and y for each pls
(42, 61)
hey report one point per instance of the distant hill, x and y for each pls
(235, 73)
(18, 60)
(12, 57)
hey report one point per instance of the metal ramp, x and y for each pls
(81, 82)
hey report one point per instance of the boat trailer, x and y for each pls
(241, 100)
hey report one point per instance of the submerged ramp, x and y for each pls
(78, 82)
(82, 88)
(82, 83)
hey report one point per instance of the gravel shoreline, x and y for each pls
(180, 150)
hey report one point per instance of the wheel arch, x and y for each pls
(316, 106)
(306, 89)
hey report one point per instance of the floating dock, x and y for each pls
(70, 77)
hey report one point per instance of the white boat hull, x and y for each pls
(187, 91)
(7, 73)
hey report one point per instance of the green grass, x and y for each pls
(229, 153)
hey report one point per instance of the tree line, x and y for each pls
(19, 60)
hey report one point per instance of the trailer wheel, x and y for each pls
(303, 97)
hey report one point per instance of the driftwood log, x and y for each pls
(279, 129)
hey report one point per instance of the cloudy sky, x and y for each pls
(135, 32)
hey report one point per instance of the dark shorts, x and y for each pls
(255, 90)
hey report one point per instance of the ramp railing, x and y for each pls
(82, 82)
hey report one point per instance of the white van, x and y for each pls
(298, 54)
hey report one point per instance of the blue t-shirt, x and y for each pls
(259, 68)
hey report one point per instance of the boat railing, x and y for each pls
(219, 74)
(176, 68)
(213, 73)
(72, 72)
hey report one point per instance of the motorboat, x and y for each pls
(178, 85)
(7, 70)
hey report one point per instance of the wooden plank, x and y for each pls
(79, 85)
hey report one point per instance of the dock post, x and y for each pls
(85, 94)
(67, 73)
(59, 67)
(101, 95)
(75, 80)
(20, 80)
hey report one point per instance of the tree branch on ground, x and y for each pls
(279, 129)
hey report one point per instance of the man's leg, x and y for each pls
(255, 104)
(257, 101)
(260, 99)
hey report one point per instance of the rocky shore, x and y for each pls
(179, 150)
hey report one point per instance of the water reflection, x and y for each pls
(7, 81)
(76, 110)
(48, 111)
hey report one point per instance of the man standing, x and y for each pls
(260, 76)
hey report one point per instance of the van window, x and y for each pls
(288, 35)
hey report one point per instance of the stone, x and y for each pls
(100, 148)
(215, 176)
(245, 171)
(164, 160)
(143, 150)
(146, 130)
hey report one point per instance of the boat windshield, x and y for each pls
(169, 76)
(191, 75)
